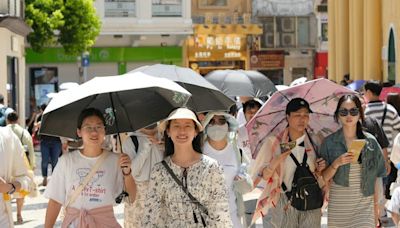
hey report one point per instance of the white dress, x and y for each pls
(167, 205)
(12, 168)
(227, 158)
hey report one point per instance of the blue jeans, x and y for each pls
(50, 149)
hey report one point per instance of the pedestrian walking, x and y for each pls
(388, 118)
(86, 182)
(13, 173)
(4, 111)
(145, 150)
(283, 164)
(187, 189)
(225, 150)
(26, 141)
(351, 194)
(50, 148)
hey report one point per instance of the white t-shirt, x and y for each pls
(72, 168)
(290, 166)
(227, 159)
(244, 144)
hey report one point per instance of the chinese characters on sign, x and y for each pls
(217, 47)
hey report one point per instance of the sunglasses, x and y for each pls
(345, 112)
(220, 121)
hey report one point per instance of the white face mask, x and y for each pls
(217, 132)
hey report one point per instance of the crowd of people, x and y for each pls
(192, 169)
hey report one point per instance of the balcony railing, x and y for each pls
(214, 19)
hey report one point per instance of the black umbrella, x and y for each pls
(241, 83)
(205, 96)
(128, 102)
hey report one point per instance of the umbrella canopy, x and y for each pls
(205, 96)
(128, 102)
(356, 85)
(241, 83)
(322, 96)
(386, 90)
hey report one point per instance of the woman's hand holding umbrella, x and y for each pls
(125, 164)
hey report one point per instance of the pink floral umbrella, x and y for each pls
(386, 91)
(322, 94)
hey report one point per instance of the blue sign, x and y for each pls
(85, 61)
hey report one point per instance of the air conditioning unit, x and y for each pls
(287, 24)
(288, 40)
(269, 27)
(269, 40)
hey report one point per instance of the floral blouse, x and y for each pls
(167, 205)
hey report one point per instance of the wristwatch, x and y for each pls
(12, 189)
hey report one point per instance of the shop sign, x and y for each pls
(267, 59)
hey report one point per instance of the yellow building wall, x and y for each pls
(355, 37)
(390, 19)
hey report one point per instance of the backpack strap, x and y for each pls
(384, 114)
(135, 142)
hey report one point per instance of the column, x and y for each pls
(356, 48)
(331, 41)
(372, 40)
(342, 38)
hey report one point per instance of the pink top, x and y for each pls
(94, 218)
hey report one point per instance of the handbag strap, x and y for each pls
(94, 169)
(191, 197)
(384, 115)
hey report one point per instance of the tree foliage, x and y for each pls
(72, 24)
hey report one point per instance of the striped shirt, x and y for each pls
(391, 124)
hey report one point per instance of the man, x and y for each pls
(388, 118)
(250, 108)
(275, 169)
(13, 173)
(4, 111)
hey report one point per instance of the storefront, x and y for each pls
(45, 71)
(215, 46)
(269, 63)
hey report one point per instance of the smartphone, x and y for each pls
(287, 146)
(356, 147)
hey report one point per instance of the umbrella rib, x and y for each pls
(305, 95)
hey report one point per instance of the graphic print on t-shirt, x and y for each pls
(93, 189)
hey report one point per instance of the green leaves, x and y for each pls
(70, 23)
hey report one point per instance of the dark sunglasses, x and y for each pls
(345, 112)
(220, 121)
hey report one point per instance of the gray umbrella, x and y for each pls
(241, 83)
(205, 96)
(128, 102)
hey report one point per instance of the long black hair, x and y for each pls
(197, 142)
(357, 102)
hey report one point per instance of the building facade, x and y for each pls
(133, 33)
(289, 41)
(223, 35)
(13, 31)
(362, 39)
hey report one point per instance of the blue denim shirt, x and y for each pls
(373, 164)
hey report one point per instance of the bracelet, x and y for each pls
(127, 174)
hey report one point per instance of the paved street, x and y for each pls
(35, 208)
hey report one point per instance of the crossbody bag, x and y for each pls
(79, 189)
(202, 208)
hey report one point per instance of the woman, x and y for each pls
(168, 203)
(92, 207)
(217, 126)
(352, 190)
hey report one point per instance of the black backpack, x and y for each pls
(306, 193)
